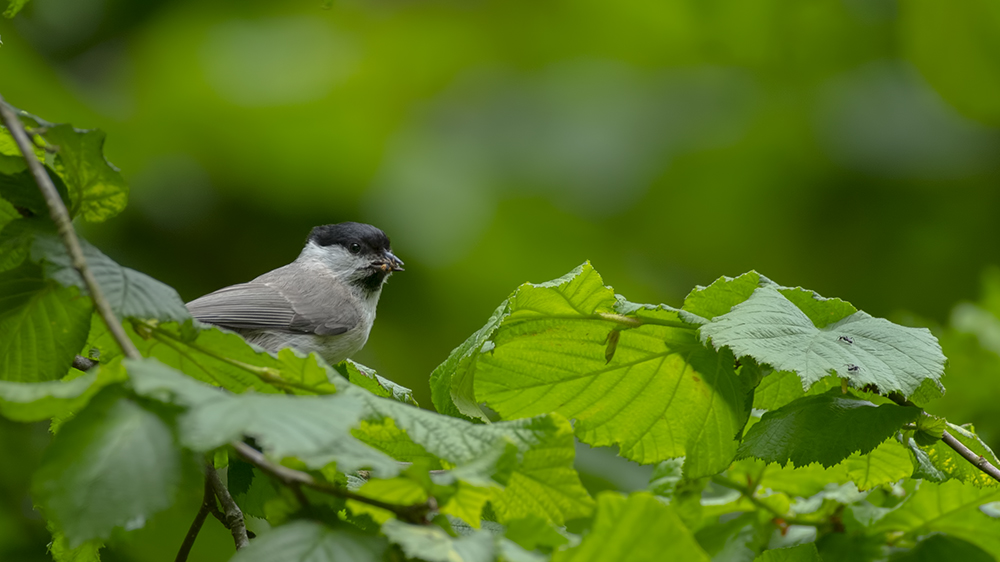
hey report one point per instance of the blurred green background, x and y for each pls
(847, 146)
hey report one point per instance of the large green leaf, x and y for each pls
(643, 382)
(28, 402)
(864, 350)
(97, 190)
(635, 528)
(951, 508)
(131, 294)
(824, 429)
(309, 541)
(42, 325)
(113, 465)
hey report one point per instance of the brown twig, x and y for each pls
(978, 461)
(415, 513)
(233, 517)
(60, 216)
(207, 506)
(968, 454)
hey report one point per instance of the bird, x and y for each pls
(323, 302)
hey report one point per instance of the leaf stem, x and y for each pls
(60, 216)
(415, 513)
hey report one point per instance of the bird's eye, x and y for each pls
(355, 248)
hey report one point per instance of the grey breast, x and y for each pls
(287, 299)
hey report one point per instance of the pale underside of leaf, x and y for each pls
(862, 349)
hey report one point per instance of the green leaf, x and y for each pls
(778, 389)
(943, 547)
(113, 465)
(939, 462)
(369, 380)
(96, 188)
(13, 7)
(736, 539)
(533, 532)
(931, 426)
(61, 551)
(885, 464)
(722, 295)
(315, 429)
(21, 190)
(662, 395)
(824, 429)
(637, 528)
(433, 544)
(15, 241)
(865, 350)
(452, 383)
(309, 541)
(319, 430)
(542, 481)
(42, 325)
(225, 359)
(951, 508)
(29, 402)
(131, 294)
(801, 553)
(8, 214)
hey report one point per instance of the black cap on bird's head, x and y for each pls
(359, 239)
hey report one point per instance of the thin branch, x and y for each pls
(415, 513)
(207, 505)
(233, 516)
(60, 216)
(978, 461)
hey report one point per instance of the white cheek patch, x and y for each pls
(335, 258)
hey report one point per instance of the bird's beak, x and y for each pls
(391, 263)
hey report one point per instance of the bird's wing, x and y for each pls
(320, 307)
(250, 306)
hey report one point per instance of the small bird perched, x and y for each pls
(324, 301)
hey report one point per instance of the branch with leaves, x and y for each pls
(658, 382)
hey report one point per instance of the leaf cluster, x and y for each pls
(782, 425)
